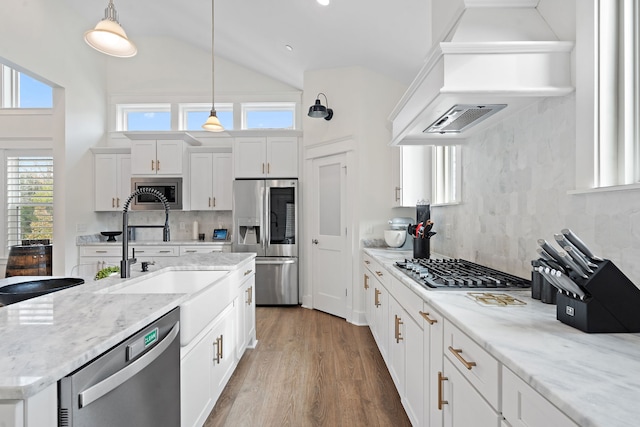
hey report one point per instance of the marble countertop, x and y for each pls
(46, 338)
(593, 378)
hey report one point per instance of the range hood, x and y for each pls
(494, 61)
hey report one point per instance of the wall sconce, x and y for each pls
(319, 111)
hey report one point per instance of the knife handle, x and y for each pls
(578, 243)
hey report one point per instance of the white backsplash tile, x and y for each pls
(515, 181)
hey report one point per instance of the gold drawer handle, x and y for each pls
(458, 353)
(246, 273)
(366, 262)
(427, 318)
(398, 333)
(366, 281)
(441, 380)
(377, 297)
(379, 273)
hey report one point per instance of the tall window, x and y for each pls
(29, 181)
(18, 90)
(618, 96)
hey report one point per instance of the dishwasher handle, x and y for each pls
(96, 391)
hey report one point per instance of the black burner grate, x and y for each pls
(459, 274)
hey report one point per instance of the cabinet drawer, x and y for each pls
(157, 251)
(100, 251)
(411, 302)
(473, 362)
(377, 270)
(522, 406)
(185, 250)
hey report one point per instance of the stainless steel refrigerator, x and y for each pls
(265, 221)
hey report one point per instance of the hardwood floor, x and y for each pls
(309, 369)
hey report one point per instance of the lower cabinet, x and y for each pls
(246, 312)
(522, 406)
(463, 406)
(39, 410)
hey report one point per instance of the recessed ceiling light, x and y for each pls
(324, 2)
(288, 47)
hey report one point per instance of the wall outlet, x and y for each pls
(447, 231)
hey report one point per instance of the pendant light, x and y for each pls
(109, 37)
(212, 124)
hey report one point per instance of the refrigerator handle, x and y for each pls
(267, 218)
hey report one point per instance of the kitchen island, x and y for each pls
(590, 378)
(46, 338)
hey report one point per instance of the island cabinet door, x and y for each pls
(195, 381)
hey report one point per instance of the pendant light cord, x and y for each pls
(213, 86)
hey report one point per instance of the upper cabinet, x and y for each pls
(157, 157)
(112, 180)
(211, 181)
(266, 157)
(411, 179)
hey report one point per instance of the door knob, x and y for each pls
(314, 241)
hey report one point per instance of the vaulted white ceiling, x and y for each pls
(389, 37)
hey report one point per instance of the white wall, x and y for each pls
(46, 39)
(361, 101)
(515, 177)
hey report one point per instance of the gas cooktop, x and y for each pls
(440, 274)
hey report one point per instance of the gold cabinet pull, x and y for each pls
(366, 281)
(427, 318)
(397, 194)
(458, 353)
(220, 347)
(398, 334)
(158, 165)
(117, 202)
(377, 297)
(249, 295)
(441, 380)
(268, 167)
(263, 168)
(153, 164)
(379, 273)
(367, 262)
(113, 202)
(209, 201)
(246, 273)
(214, 202)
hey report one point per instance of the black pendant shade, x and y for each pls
(319, 111)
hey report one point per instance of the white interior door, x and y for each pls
(329, 238)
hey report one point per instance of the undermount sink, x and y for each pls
(195, 313)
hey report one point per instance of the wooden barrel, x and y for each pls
(31, 260)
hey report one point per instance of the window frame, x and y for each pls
(248, 107)
(5, 154)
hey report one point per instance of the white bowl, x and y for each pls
(395, 238)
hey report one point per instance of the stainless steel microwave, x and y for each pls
(171, 188)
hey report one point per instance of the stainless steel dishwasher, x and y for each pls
(136, 383)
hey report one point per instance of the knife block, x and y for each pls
(611, 307)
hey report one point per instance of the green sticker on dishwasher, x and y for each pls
(151, 337)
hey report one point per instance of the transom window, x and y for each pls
(274, 115)
(192, 116)
(19, 90)
(144, 117)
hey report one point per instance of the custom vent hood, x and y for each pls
(494, 61)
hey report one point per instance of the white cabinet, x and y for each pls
(150, 253)
(266, 157)
(211, 181)
(206, 367)
(112, 180)
(463, 406)
(470, 383)
(94, 258)
(157, 157)
(411, 175)
(433, 362)
(40, 410)
(246, 310)
(522, 406)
